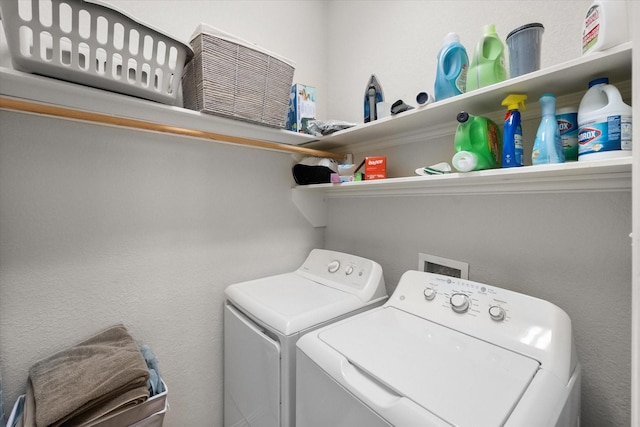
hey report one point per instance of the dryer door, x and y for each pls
(251, 373)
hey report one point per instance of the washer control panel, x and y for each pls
(346, 272)
(464, 297)
(447, 299)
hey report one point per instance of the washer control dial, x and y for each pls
(460, 302)
(349, 270)
(333, 266)
(497, 313)
(429, 294)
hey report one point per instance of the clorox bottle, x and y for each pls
(453, 64)
(487, 64)
(477, 143)
(604, 123)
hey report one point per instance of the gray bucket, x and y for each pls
(524, 49)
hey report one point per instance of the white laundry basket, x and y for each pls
(88, 42)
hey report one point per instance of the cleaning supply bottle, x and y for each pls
(477, 143)
(567, 119)
(547, 147)
(605, 25)
(604, 123)
(453, 64)
(487, 64)
(512, 143)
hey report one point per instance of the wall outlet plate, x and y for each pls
(444, 266)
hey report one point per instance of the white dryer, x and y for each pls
(442, 352)
(264, 318)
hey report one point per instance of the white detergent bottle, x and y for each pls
(604, 123)
(606, 25)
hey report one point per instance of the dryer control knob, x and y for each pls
(497, 313)
(349, 270)
(429, 294)
(460, 303)
(333, 266)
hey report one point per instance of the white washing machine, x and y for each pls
(442, 352)
(264, 318)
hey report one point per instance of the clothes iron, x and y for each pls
(372, 95)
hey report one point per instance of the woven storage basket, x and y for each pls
(87, 42)
(232, 78)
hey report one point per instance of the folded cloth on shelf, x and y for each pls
(101, 374)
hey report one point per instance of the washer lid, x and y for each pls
(459, 378)
(290, 303)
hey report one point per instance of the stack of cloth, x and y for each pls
(94, 379)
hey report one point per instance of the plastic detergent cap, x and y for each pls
(465, 161)
(423, 98)
(462, 117)
(515, 101)
(600, 81)
(451, 38)
(526, 27)
(489, 29)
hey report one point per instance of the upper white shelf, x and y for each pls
(563, 79)
(46, 90)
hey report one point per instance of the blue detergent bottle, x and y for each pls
(453, 64)
(547, 148)
(512, 151)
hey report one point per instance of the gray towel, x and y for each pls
(89, 379)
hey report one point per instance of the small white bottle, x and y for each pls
(606, 25)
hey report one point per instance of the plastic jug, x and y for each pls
(605, 25)
(477, 143)
(453, 64)
(604, 123)
(487, 64)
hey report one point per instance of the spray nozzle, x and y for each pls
(515, 102)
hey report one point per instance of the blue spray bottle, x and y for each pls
(512, 143)
(547, 148)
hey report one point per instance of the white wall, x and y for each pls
(548, 246)
(398, 41)
(293, 29)
(555, 247)
(100, 225)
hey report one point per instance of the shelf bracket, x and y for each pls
(312, 204)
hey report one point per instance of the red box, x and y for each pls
(375, 167)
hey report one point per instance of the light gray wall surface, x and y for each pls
(99, 225)
(571, 249)
(550, 246)
(398, 41)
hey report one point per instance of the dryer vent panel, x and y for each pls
(444, 266)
